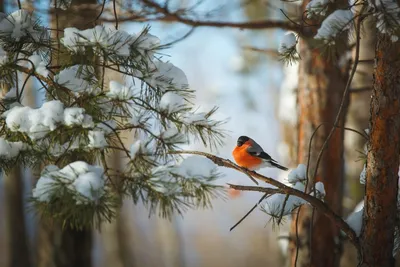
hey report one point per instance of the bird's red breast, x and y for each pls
(243, 158)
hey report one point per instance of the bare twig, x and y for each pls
(115, 14)
(251, 178)
(168, 16)
(43, 79)
(186, 35)
(305, 191)
(318, 204)
(283, 209)
(100, 13)
(361, 89)
(269, 52)
(250, 211)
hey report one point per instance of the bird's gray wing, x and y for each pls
(256, 150)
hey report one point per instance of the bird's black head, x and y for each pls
(241, 140)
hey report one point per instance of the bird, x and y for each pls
(250, 155)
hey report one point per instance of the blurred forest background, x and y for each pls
(238, 70)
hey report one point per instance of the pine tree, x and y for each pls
(83, 116)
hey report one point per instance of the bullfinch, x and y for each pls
(250, 155)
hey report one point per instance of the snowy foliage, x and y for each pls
(387, 15)
(39, 65)
(18, 25)
(320, 190)
(84, 182)
(167, 76)
(333, 25)
(119, 91)
(287, 48)
(62, 4)
(196, 166)
(279, 205)
(10, 150)
(317, 8)
(76, 78)
(298, 175)
(171, 102)
(97, 139)
(85, 113)
(288, 42)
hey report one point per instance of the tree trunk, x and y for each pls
(58, 247)
(15, 220)
(383, 157)
(16, 233)
(357, 118)
(320, 90)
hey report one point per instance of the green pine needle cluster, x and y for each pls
(152, 175)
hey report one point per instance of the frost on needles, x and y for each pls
(85, 113)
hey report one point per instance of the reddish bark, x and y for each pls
(383, 158)
(321, 86)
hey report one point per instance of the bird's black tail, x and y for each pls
(278, 166)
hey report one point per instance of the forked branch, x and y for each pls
(281, 188)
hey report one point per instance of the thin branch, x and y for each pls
(115, 14)
(169, 16)
(283, 189)
(309, 156)
(269, 52)
(251, 210)
(283, 209)
(345, 93)
(42, 78)
(305, 191)
(363, 134)
(297, 237)
(366, 61)
(361, 89)
(251, 178)
(190, 32)
(317, 203)
(100, 13)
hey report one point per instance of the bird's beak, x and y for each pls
(239, 143)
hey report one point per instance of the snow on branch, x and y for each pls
(387, 14)
(279, 205)
(282, 189)
(317, 8)
(85, 113)
(336, 23)
(287, 48)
